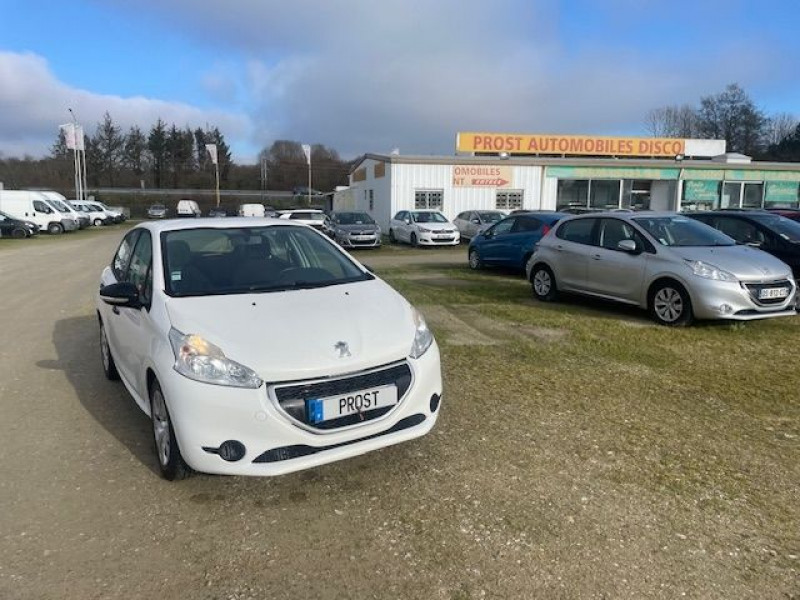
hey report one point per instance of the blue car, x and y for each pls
(509, 243)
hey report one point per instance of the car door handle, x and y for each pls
(559, 247)
(597, 257)
(115, 310)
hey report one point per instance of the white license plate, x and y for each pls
(772, 293)
(333, 407)
(443, 236)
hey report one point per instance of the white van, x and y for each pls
(188, 208)
(252, 210)
(62, 203)
(34, 207)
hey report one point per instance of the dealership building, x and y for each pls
(545, 172)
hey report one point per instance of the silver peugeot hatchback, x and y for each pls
(673, 266)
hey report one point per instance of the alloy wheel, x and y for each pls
(161, 427)
(668, 304)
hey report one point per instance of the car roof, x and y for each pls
(214, 223)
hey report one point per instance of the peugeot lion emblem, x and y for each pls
(343, 348)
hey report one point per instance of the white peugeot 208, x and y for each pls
(259, 347)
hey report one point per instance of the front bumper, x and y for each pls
(69, 224)
(205, 416)
(733, 301)
(372, 240)
(434, 239)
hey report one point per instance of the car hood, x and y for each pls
(437, 226)
(356, 227)
(293, 335)
(746, 263)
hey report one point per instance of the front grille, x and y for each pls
(292, 397)
(755, 289)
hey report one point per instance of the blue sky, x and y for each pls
(365, 76)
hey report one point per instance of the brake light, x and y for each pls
(545, 230)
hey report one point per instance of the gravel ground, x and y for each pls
(576, 491)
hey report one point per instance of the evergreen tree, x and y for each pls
(157, 148)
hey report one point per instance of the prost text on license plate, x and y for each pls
(342, 405)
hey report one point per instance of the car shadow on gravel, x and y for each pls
(76, 341)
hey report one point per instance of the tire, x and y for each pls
(170, 461)
(413, 240)
(55, 229)
(392, 239)
(109, 366)
(670, 305)
(98, 223)
(543, 283)
(475, 262)
(19, 234)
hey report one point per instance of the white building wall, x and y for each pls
(662, 195)
(381, 193)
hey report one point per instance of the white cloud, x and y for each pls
(33, 102)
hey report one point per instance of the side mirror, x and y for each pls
(628, 246)
(121, 294)
(476, 221)
(407, 221)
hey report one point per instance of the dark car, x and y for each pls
(217, 212)
(354, 229)
(16, 228)
(510, 242)
(768, 231)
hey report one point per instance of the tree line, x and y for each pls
(733, 116)
(168, 156)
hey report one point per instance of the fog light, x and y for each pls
(231, 450)
(725, 309)
(435, 402)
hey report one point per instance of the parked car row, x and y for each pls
(26, 213)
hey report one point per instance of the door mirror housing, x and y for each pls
(122, 294)
(476, 221)
(628, 246)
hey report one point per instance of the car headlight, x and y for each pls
(199, 359)
(423, 229)
(423, 338)
(709, 271)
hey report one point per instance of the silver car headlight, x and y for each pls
(199, 359)
(423, 338)
(423, 229)
(709, 271)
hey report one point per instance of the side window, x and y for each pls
(613, 231)
(526, 224)
(140, 272)
(740, 230)
(123, 256)
(577, 230)
(41, 207)
(463, 216)
(504, 226)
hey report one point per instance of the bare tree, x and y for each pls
(672, 121)
(780, 127)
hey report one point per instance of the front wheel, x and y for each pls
(18, 234)
(55, 229)
(543, 283)
(109, 366)
(475, 262)
(170, 461)
(413, 240)
(392, 239)
(98, 222)
(670, 305)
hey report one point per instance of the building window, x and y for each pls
(428, 199)
(572, 193)
(636, 194)
(604, 194)
(736, 194)
(508, 199)
(700, 194)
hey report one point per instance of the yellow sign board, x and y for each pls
(568, 145)
(481, 176)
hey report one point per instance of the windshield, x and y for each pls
(157, 207)
(428, 217)
(786, 228)
(490, 216)
(679, 231)
(63, 208)
(308, 216)
(354, 218)
(95, 207)
(242, 260)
